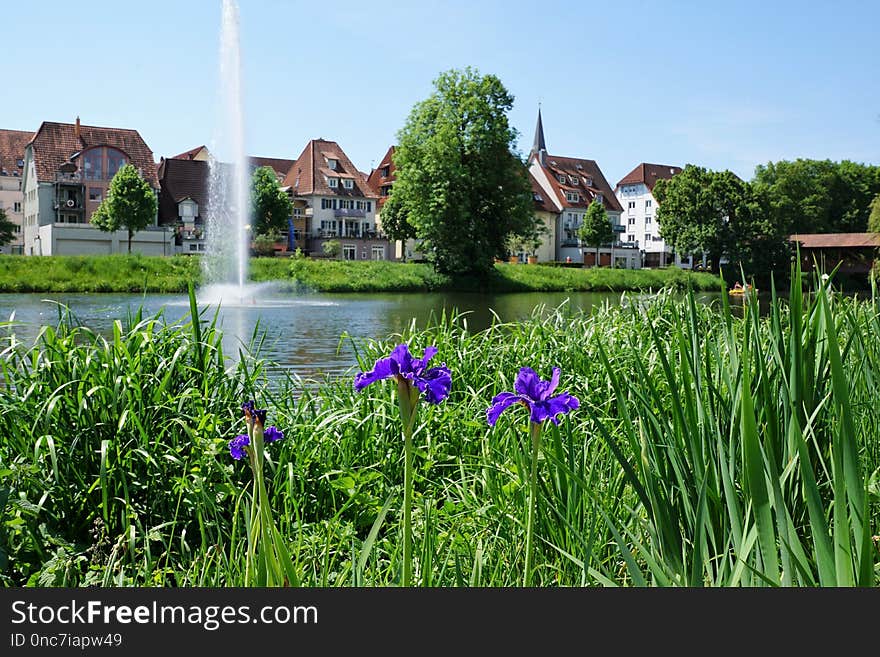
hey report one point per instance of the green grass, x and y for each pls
(709, 450)
(139, 274)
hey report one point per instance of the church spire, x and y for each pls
(539, 144)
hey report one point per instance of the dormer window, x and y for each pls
(599, 198)
(573, 179)
(348, 183)
(538, 197)
(333, 182)
(588, 181)
(561, 178)
(572, 197)
(331, 163)
(385, 171)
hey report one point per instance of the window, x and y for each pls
(16, 207)
(348, 183)
(115, 161)
(349, 251)
(102, 163)
(647, 220)
(647, 237)
(647, 203)
(572, 197)
(331, 163)
(378, 252)
(386, 190)
(92, 164)
(630, 238)
(561, 178)
(327, 204)
(573, 179)
(346, 204)
(298, 212)
(17, 228)
(599, 198)
(631, 221)
(333, 182)
(96, 194)
(631, 206)
(588, 181)
(385, 171)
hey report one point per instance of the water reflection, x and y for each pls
(300, 334)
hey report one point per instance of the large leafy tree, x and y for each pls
(394, 222)
(717, 213)
(271, 206)
(874, 217)
(130, 204)
(818, 196)
(7, 228)
(459, 184)
(596, 229)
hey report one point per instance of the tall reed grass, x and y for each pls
(710, 449)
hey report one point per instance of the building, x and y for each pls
(67, 171)
(12, 147)
(635, 192)
(547, 211)
(570, 185)
(855, 253)
(381, 180)
(333, 201)
(183, 201)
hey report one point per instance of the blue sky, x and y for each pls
(724, 85)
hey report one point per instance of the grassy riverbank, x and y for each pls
(138, 274)
(708, 450)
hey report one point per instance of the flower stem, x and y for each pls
(535, 432)
(407, 508)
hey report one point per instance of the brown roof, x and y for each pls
(54, 143)
(180, 179)
(12, 143)
(190, 154)
(649, 174)
(836, 240)
(377, 181)
(280, 165)
(305, 177)
(590, 181)
(542, 203)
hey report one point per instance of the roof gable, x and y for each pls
(580, 176)
(54, 143)
(12, 147)
(649, 174)
(309, 173)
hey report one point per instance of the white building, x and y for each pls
(12, 147)
(635, 193)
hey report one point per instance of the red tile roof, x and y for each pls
(190, 154)
(836, 240)
(590, 181)
(54, 143)
(12, 143)
(307, 175)
(542, 203)
(280, 165)
(377, 181)
(649, 174)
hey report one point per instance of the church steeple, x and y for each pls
(539, 144)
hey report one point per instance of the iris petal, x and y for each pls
(383, 369)
(500, 402)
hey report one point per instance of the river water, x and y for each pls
(301, 332)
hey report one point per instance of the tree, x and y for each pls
(270, 205)
(596, 229)
(264, 244)
(7, 228)
(874, 217)
(394, 222)
(818, 196)
(131, 204)
(717, 213)
(459, 183)
(332, 248)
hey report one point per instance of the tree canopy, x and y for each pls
(270, 205)
(818, 196)
(716, 213)
(130, 204)
(7, 228)
(596, 229)
(459, 184)
(874, 217)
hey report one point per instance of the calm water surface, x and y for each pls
(302, 332)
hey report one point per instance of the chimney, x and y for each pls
(76, 129)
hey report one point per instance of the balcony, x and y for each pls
(349, 212)
(619, 228)
(73, 178)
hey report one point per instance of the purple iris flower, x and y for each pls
(434, 382)
(237, 446)
(534, 393)
(271, 434)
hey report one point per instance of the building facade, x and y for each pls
(635, 193)
(67, 171)
(332, 200)
(12, 147)
(570, 185)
